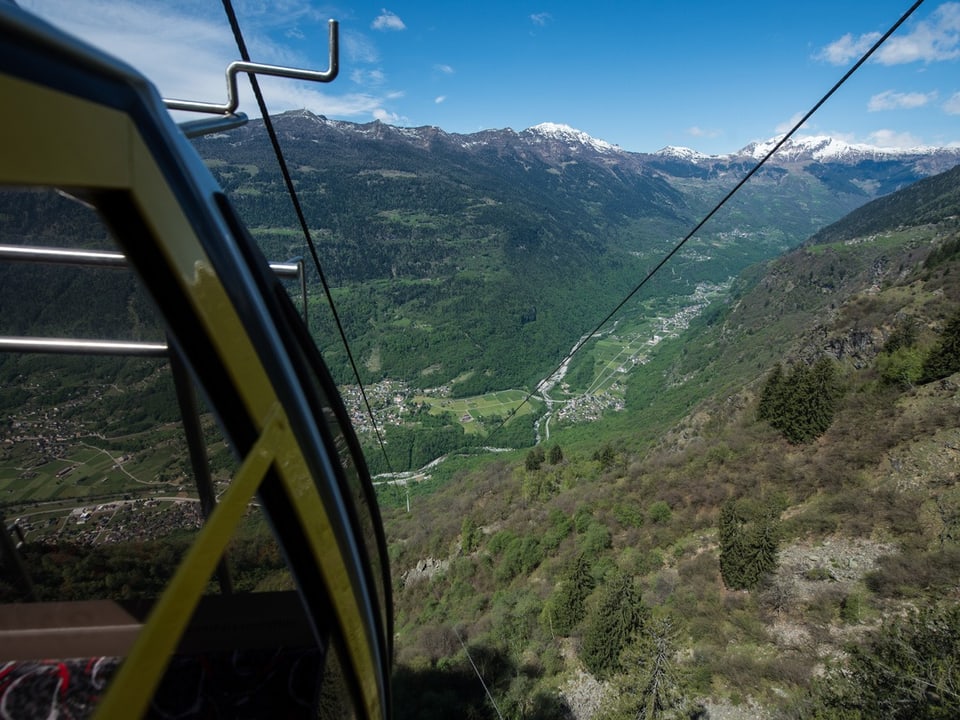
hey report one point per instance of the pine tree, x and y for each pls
(800, 405)
(651, 685)
(771, 397)
(732, 550)
(618, 615)
(824, 394)
(534, 459)
(763, 552)
(944, 358)
(568, 604)
(556, 455)
(749, 545)
(659, 692)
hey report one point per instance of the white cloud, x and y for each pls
(386, 117)
(893, 139)
(388, 21)
(788, 125)
(445, 69)
(439, 99)
(184, 55)
(891, 100)
(541, 19)
(933, 40)
(847, 48)
(358, 48)
(700, 132)
(294, 96)
(952, 105)
(374, 77)
(184, 50)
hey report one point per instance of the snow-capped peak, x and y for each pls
(683, 153)
(824, 147)
(565, 133)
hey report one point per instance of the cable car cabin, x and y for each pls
(188, 523)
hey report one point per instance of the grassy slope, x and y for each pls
(877, 485)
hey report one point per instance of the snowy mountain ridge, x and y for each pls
(818, 148)
(556, 139)
(567, 134)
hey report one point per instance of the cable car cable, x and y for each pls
(294, 198)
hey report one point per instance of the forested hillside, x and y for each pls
(788, 548)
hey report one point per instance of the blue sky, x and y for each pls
(711, 75)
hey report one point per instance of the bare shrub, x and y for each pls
(789, 669)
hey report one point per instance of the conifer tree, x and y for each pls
(651, 685)
(800, 405)
(907, 670)
(771, 397)
(824, 392)
(568, 604)
(556, 455)
(618, 615)
(732, 550)
(749, 545)
(659, 691)
(944, 358)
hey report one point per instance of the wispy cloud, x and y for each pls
(387, 20)
(699, 132)
(933, 40)
(445, 69)
(184, 49)
(541, 19)
(386, 116)
(842, 51)
(374, 77)
(891, 100)
(358, 48)
(952, 105)
(184, 55)
(439, 99)
(787, 125)
(893, 139)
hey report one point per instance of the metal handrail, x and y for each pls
(293, 269)
(239, 66)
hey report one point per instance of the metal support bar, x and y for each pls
(76, 257)
(190, 416)
(239, 66)
(295, 269)
(208, 126)
(106, 258)
(62, 256)
(72, 346)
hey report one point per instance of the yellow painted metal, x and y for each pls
(40, 133)
(57, 139)
(316, 525)
(129, 693)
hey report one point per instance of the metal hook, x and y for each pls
(240, 66)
